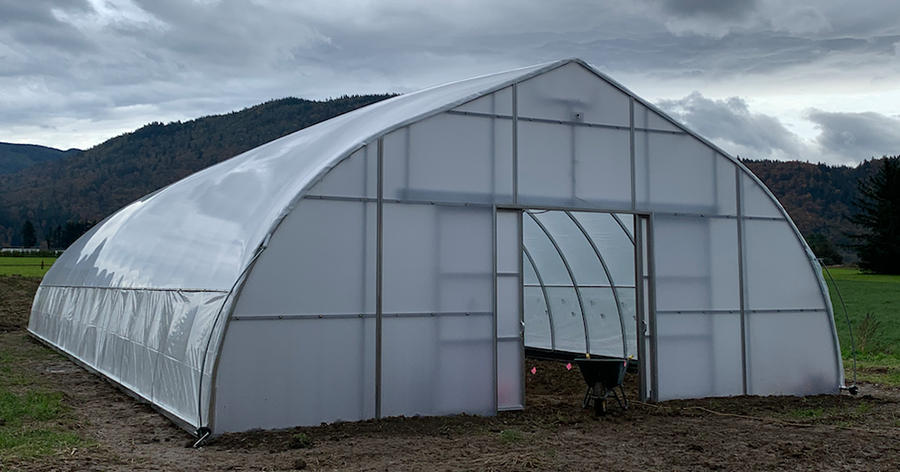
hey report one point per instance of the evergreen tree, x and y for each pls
(878, 216)
(823, 249)
(29, 237)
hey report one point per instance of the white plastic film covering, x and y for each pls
(588, 164)
(355, 176)
(756, 201)
(628, 304)
(573, 93)
(537, 319)
(510, 387)
(540, 177)
(699, 355)
(611, 235)
(601, 313)
(792, 354)
(497, 103)
(281, 373)
(581, 257)
(438, 365)
(676, 172)
(157, 350)
(600, 255)
(697, 264)
(437, 259)
(438, 355)
(450, 158)
(647, 119)
(780, 274)
(321, 261)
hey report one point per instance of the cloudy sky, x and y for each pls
(813, 80)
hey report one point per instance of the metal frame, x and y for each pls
(515, 142)
(584, 124)
(611, 282)
(587, 334)
(544, 291)
(651, 310)
(379, 276)
(495, 314)
(739, 191)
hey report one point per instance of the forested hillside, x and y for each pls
(92, 184)
(87, 186)
(15, 157)
(818, 197)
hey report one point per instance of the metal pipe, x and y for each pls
(515, 143)
(651, 301)
(640, 307)
(544, 291)
(562, 256)
(379, 275)
(611, 282)
(495, 314)
(741, 295)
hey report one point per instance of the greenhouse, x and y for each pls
(401, 259)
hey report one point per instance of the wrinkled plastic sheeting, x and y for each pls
(152, 342)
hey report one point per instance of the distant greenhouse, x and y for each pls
(400, 259)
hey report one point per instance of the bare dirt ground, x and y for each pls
(839, 432)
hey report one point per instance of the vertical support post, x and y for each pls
(496, 317)
(739, 191)
(640, 308)
(651, 312)
(521, 243)
(379, 275)
(515, 142)
(631, 142)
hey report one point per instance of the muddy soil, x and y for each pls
(553, 432)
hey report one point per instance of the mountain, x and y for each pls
(15, 157)
(89, 185)
(92, 184)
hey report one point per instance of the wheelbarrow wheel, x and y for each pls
(600, 406)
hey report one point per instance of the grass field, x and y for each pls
(33, 419)
(25, 266)
(873, 305)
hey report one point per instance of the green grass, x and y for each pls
(508, 436)
(811, 413)
(25, 266)
(873, 305)
(34, 420)
(875, 295)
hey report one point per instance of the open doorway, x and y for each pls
(581, 280)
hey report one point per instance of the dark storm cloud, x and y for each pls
(728, 9)
(107, 60)
(731, 123)
(857, 136)
(32, 23)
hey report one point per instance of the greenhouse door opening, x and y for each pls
(579, 291)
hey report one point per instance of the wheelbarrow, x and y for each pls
(603, 376)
